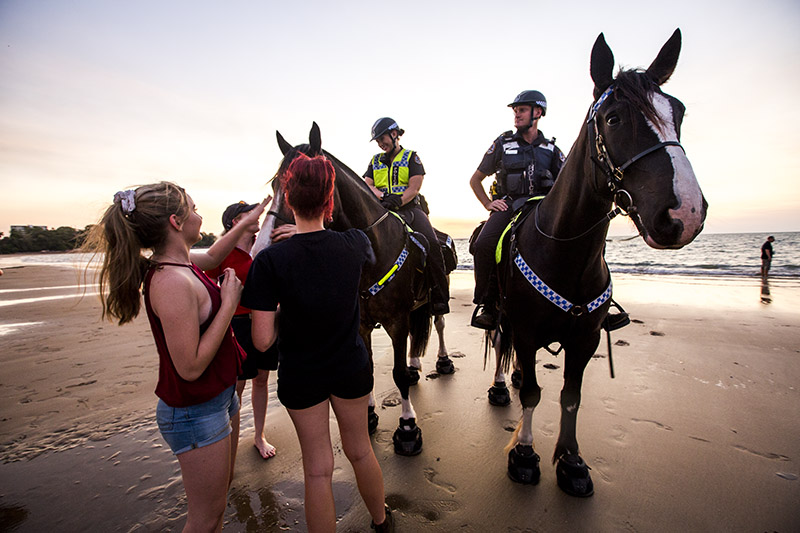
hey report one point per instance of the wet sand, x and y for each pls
(697, 432)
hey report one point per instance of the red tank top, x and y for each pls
(220, 374)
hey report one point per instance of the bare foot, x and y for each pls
(266, 449)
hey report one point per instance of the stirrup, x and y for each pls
(616, 320)
(483, 318)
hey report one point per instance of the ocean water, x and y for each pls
(713, 254)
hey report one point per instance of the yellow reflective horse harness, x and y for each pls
(401, 259)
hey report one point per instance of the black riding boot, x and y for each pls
(486, 314)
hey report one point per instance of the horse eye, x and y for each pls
(612, 120)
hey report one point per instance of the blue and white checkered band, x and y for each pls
(375, 289)
(419, 244)
(600, 300)
(599, 102)
(552, 295)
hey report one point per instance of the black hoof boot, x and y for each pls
(516, 379)
(573, 476)
(523, 465)
(372, 419)
(444, 365)
(407, 437)
(413, 375)
(498, 394)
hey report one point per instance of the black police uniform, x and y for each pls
(524, 170)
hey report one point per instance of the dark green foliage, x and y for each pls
(35, 239)
(207, 240)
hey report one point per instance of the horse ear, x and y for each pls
(664, 64)
(284, 146)
(601, 66)
(315, 140)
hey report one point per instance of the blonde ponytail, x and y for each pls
(137, 221)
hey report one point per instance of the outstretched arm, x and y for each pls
(218, 251)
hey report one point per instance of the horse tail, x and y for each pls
(506, 345)
(514, 437)
(420, 329)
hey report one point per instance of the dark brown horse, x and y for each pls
(393, 289)
(555, 282)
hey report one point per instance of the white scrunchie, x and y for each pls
(126, 199)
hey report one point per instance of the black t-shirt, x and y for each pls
(764, 247)
(415, 167)
(314, 277)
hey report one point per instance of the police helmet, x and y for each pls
(531, 98)
(385, 125)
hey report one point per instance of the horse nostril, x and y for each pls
(667, 230)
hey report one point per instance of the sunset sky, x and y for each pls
(98, 96)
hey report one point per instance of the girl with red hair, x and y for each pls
(313, 278)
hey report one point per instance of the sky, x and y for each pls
(99, 96)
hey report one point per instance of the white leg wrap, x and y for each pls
(408, 409)
(526, 431)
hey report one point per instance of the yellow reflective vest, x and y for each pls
(398, 182)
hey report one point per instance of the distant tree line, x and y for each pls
(38, 239)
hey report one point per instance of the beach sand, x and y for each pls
(697, 432)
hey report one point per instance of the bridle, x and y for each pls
(614, 174)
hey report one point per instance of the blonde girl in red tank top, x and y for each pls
(190, 320)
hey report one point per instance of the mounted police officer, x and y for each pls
(526, 165)
(395, 177)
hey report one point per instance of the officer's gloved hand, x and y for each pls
(392, 202)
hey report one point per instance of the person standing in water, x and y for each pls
(766, 256)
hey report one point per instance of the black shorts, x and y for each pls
(255, 360)
(304, 394)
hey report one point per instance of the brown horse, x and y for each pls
(556, 285)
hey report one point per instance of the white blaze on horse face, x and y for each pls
(684, 182)
(264, 237)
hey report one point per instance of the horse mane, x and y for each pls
(635, 86)
(349, 173)
(338, 165)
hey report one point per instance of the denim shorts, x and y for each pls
(187, 428)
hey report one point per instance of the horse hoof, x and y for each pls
(516, 379)
(498, 394)
(413, 375)
(372, 419)
(523, 465)
(407, 438)
(444, 365)
(573, 476)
